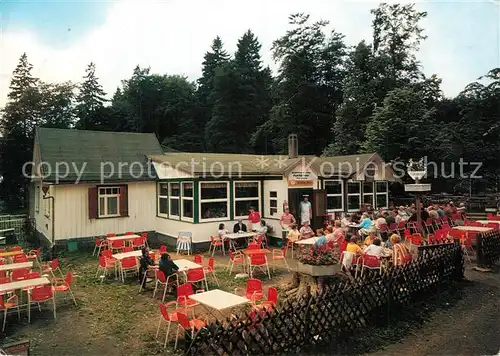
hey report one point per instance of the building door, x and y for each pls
(319, 208)
(295, 196)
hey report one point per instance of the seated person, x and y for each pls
(338, 232)
(144, 262)
(374, 249)
(167, 266)
(329, 233)
(369, 239)
(262, 229)
(353, 246)
(322, 240)
(239, 226)
(366, 225)
(293, 235)
(222, 231)
(399, 251)
(306, 231)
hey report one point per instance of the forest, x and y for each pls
(340, 98)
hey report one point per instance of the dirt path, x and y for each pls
(470, 327)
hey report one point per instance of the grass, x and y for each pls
(111, 318)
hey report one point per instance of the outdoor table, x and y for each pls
(238, 235)
(11, 253)
(472, 228)
(489, 221)
(184, 264)
(26, 283)
(12, 266)
(218, 300)
(124, 237)
(122, 255)
(309, 241)
(257, 251)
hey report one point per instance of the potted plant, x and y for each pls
(318, 261)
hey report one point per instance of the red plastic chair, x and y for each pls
(168, 317)
(259, 261)
(272, 300)
(198, 259)
(235, 258)
(111, 234)
(280, 255)
(19, 274)
(138, 242)
(192, 325)
(371, 263)
(254, 290)
(32, 275)
(210, 270)
(20, 258)
(163, 249)
(34, 255)
(165, 282)
(196, 275)
(99, 244)
(183, 293)
(105, 264)
(214, 243)
(489, 216)
(253, 246)
(39, 295)
(128, 264)
(117, 245)
(10, 303)
(128, 249)
(128, 233)
(65, 286)
(15, 248)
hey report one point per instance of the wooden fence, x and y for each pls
(13, 225)
(337, 312)
(488, 248)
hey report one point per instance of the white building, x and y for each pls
(171, 192)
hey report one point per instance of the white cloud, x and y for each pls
(172, 37)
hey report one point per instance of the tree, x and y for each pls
(402, 128)
(57, 108)
(396, 37)
(309, 83)
(90, 102)
(240, 97)
(213, 59)
(17, 126)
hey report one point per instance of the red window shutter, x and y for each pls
(123, 200)
(93, 203)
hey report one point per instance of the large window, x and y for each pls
(187, 201)
(109, 202)
(163, 199)
(368, 193)
(246, 195)
(382, 195)
(334, 196)
(174, 190)
(214, 201)
(353, 196)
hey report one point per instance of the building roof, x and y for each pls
(261, 165)
(121, 156)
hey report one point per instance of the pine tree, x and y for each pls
(241, 99)
(17, 125)
(213, 59)
(90, 102)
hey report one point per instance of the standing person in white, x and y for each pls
(305, 210)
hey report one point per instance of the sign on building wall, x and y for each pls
(301, 179)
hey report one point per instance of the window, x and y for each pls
(246, 194)
(46, 207)
(37, 198)
(214, 201)
(109, 201)
(334, 200)
(163, 199)
(368, 193)
(353, 196)
(273, 203)
(382, 195)
(187, 201)
(174, 195)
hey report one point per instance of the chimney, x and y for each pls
(293, 146)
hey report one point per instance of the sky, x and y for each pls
(171, 36)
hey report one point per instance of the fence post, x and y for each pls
(479, 251)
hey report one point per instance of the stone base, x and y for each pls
(316, 271)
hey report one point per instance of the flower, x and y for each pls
(319, 256)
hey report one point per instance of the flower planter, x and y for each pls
(316, 271)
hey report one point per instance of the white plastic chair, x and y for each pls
(184, 241)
